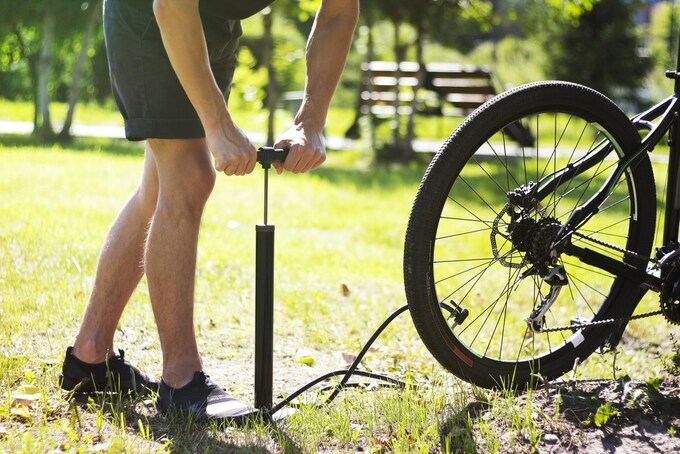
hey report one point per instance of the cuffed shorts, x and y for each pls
(145, 86)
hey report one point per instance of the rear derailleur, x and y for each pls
(533, 233)
(668, 262)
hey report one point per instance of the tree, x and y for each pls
(93, 15)
(423, 18)
(29, 35)
(598, 48)
(43, 130)
(289, 19)
(21, 36)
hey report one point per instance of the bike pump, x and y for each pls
(264, 290)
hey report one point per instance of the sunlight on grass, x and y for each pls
(339, 240)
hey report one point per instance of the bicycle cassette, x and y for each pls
(670, 294)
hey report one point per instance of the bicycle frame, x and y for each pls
(658, 120)
(672, 214)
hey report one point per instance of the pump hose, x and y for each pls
(352, 370)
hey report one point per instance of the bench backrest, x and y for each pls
(464, 87)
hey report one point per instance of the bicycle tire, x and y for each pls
(462, 243)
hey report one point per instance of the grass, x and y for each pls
(338, 275)
(85, 113)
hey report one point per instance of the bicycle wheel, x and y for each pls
(480, 262)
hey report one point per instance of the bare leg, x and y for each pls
(119, 269)
(186, 179)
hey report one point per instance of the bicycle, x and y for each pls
(529, 244)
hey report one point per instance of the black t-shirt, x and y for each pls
(233, 9)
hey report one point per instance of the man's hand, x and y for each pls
(307, 150)
(233, 151)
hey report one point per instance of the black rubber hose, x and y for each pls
(349, 372)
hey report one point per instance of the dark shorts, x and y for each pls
(145, 87)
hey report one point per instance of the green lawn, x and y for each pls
(338, 275)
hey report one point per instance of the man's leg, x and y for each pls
(186, 176)
(186, 179)
(119, 269)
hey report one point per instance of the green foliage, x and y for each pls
(662, 42)
(514, 60)
(599, 50)
(537, 16)
(20, 41)
(604, 414)
(572, 10)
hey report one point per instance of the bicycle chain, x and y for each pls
(613, 247)
(610, 321)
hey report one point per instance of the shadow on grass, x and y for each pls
(378, 177)
(457, 431)
(118, 147)
(188, 434)
(633, 400)
(180, 431)
(375, 176)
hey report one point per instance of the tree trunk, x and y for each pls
(354, 131)
(408, 151)
(74, 92)
(399, 51)
(44, 129)
(32, 60)
(370, 56)
(272, 97)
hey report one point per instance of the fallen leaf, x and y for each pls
(306, 360)
(28, 389)
(21, 413)
(348, 358)
(25, 395)
(383, 442)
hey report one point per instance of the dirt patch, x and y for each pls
(607, 416)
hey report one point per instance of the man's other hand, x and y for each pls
(306, 149)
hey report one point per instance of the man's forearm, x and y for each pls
(184, 41)
(182, 32)
(327, 50)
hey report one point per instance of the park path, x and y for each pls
(116, 131)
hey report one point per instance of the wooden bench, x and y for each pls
(464, 87)
(383, 83)
(449, 90)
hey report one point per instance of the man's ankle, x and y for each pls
(178, 378)
(87, 352)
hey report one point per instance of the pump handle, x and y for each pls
(269, 155)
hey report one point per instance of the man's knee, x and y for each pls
(147, 199)
(196, 183)
(186, 172)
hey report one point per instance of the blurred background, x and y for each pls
(54, 75)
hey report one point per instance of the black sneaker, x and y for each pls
(204, 398)
(115, 375)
